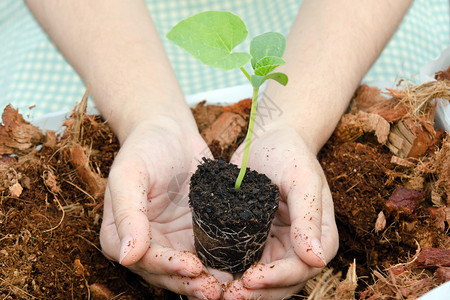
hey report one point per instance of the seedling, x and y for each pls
(211, 37)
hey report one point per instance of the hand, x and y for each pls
(303, 237)
(147, 223)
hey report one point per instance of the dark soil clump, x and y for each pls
(231, 225)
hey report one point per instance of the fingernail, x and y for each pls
(200, 295)
(125, 247)
(186, 273)
(318, 250)
(254, 286)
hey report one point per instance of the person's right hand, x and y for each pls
(147, 222)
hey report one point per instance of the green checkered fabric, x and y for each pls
(32, 72)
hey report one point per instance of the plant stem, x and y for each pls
(245, 73)
(248, 138)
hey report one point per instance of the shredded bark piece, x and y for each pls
(442, 165)
(346, 289)
(409, 139)
(415, 183)
(367, 97)
(438, 217)
(443, 75)
(352, 126)
(94, 182)
(433, 257)
(401, 161)
(205, 115)
(225, 129)
(51, 182)
(380, 224)
(101, 292)
(442, 274)
(404, 201)
(15, 190)
(78, 266)
(18, 136)
(241, 108)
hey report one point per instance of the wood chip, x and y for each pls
(438, 217)
(433, 257)
(241, 108)
(401, 161)
(415, 183)
(404, 201)
(205, 115)
(346, 289)
(51, 182)
(442, 274)
(101, 292)
(95, 183)
(225, 129)
(367, 97)
(437, 200)
(18, 136)
(352, 126)
(15, 190)
(409, 139)
(380, 224)
(79, 268)
(447, 214)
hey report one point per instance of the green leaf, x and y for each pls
(265, 65)
(267, 44)
(279, 77)
(258, 80)
(211, 37)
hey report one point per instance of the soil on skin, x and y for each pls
(234, 220)
(390, 208)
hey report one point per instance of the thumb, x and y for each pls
(305, 208)
(128, 188)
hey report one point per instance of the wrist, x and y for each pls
(275, 114)
(125, 118)
(283, 126)
(312, 111)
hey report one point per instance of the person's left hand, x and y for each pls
(303, 237)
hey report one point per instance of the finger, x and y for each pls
(330, 236)
(278, 274)
(128, 188)
(165, 261)
(109, 240)
(221, 276)
(305, 207)
(236, 291)
(204, 286)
